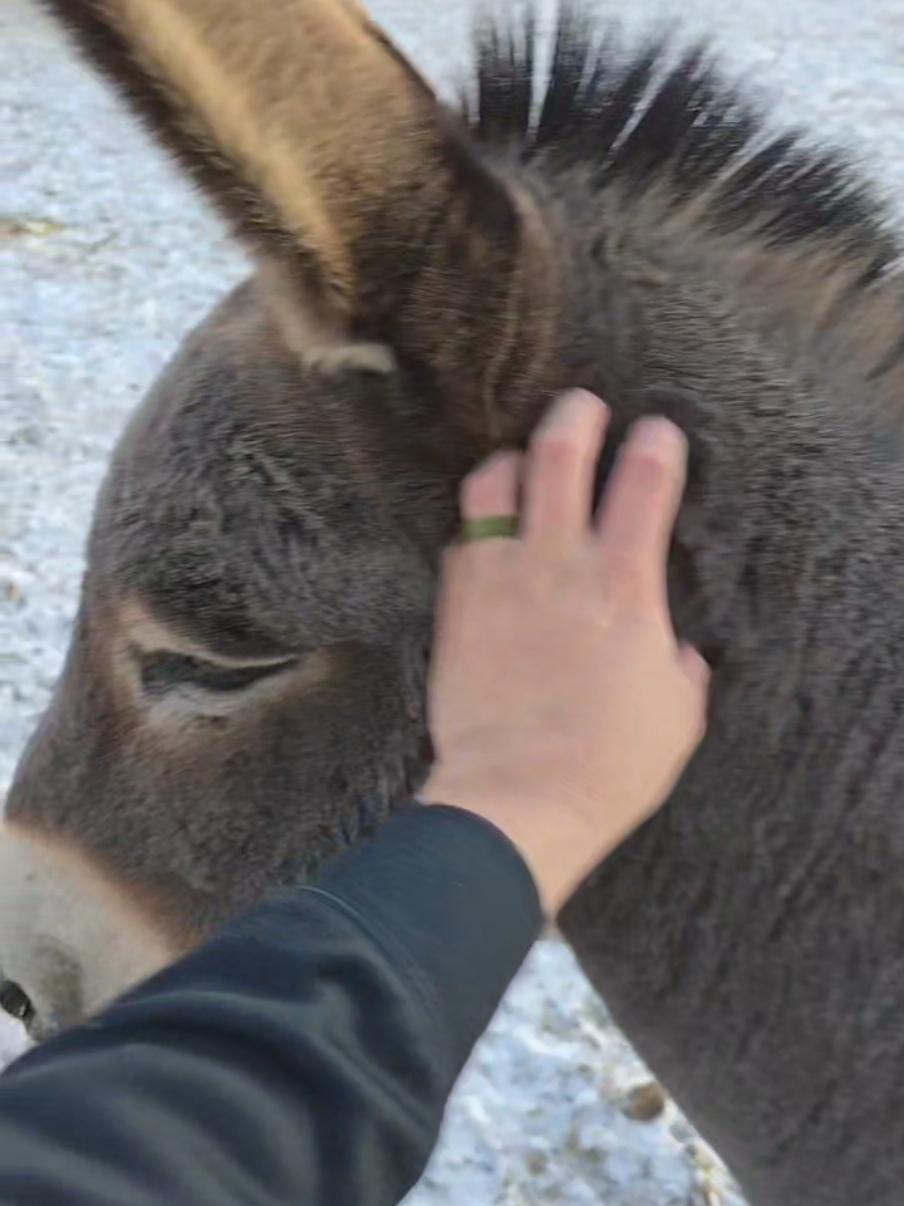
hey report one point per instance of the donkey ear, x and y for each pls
(329, 154)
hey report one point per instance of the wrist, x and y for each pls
(549, 856)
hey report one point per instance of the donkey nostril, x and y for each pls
(15, 1002)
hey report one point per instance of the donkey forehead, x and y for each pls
(238, 503)
(244, 562)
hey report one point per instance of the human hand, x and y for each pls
(563, 709)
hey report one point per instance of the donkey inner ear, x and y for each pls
(318, 338)
(331, 156)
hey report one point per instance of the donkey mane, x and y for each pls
(661, 123)
(645, 120)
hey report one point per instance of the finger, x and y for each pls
(493, 488)
(451, 591)
(641, 504)
(561, 465)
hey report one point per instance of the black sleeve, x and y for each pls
(304, 1056)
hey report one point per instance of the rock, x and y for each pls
(645, 1102)
(16, 226)
(11, 592)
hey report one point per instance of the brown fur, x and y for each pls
(348, 188)
(244, 693)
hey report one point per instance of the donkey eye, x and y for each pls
(162, 671)
(15, 1002)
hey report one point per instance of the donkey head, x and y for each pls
(245, 686)
(244, 692)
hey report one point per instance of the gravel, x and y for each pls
(107, 260)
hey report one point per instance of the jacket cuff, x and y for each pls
(450, 898)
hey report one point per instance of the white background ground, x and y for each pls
(106, 261)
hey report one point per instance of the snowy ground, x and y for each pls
(107, 260)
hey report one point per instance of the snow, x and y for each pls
(107, 261)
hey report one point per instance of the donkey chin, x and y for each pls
(70, 940)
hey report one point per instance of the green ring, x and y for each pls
(490, 527)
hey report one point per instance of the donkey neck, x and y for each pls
(793, 523)
(747, 939)
(794, 510)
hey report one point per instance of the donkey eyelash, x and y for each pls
(164, 671)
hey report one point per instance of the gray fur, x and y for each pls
(750, 939)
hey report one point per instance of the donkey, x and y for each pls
(244, 691)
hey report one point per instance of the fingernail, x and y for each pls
(502, 456)
(658, 438)
(581, 395)
(574, 401)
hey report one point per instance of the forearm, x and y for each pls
(306, 1055)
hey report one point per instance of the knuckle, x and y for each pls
(497, 473)
(558, 448)
(481, 495)
(472, 489)
(650, 474)
(625, 577)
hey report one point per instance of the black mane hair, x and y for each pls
(657, 117)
